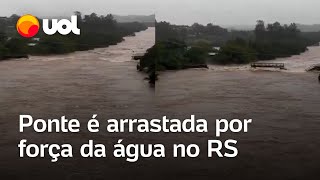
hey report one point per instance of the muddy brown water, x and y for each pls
(284, 140)
(294, 64)
(102, 81)
(282, 143)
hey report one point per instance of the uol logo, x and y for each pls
(28, 26)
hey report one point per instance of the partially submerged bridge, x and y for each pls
(138, 56)
(268, 65)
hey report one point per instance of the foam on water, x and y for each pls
(300, 63)
(297, 63)
(122, 52)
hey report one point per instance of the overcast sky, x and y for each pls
(229, 12)
(223, 12)
(67, 7)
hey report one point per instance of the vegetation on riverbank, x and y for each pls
(171, 55)
(96, 31)
(266, 42)
(269, 42)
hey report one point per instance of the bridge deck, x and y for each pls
(268, 65)
(138, 56)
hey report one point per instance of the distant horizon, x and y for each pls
(230, 12)
(64, 15)
(250, 27)
(237, 24)
(221, 12)
(152, 14)
(234, 24)
(253, 24)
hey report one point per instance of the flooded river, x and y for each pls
(295, 64)
(282, 143)
(284, 140)
(120, 53)
(102, 81)
(82, 81)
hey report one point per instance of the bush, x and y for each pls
(3, 52)
(235, 52)
(196, 55)
(56, 44)
(16, 46)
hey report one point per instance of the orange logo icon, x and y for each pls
(28, 26)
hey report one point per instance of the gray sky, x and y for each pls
(67, 7)
(230, 12)
(223, 12)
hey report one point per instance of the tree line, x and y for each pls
(268, 42)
